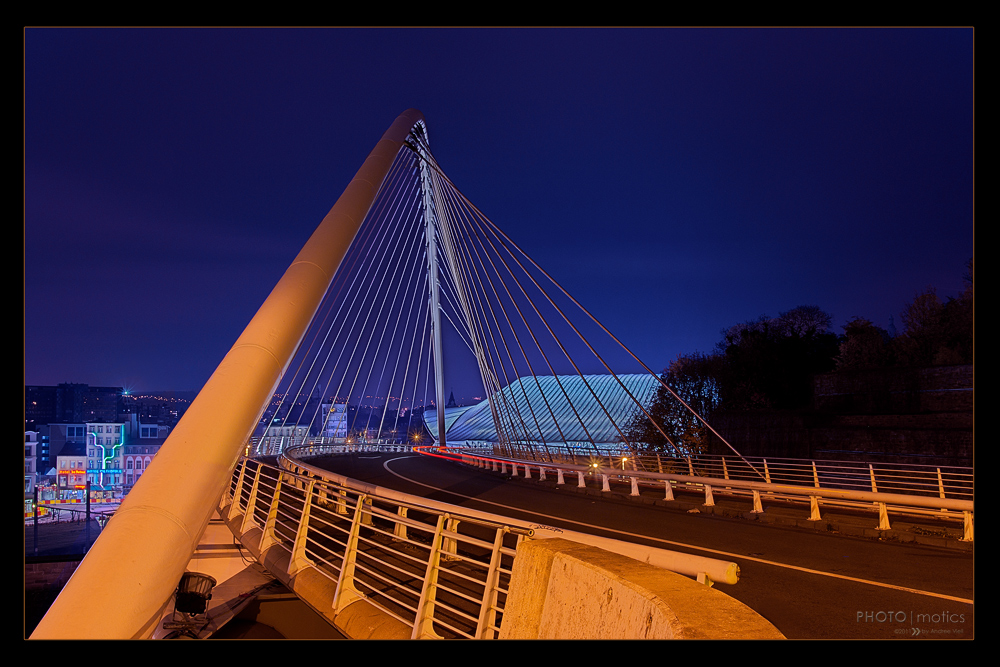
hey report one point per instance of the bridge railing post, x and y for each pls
(400, 529)
(234, 507)
(966, 526)
(248, 516)
(347, 592)
(340, 506)
(299, 560)
(488, 609)
(883, 517)
(709, 499)
(267, 538)
(814, 509)
(449, 545)
(423, 624)
(940, 482)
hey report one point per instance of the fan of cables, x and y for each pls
(432, 294)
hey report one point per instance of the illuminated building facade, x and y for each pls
(139, 449)
(336, 421)
(54, 438)
(71, 472)
(105, 458)
(30, 471)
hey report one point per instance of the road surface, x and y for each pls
(810, 585)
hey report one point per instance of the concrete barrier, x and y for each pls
(565, 590)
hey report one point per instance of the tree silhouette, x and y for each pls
(692, 377)
(938, 333)
(768, 362)
(865, 346)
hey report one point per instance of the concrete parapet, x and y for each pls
(361, 620)
(565, 590)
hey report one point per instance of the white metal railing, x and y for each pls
(917, 490)
(439, 570)
(439, 574)
(908, 479)
(316, 446)
(262, 446)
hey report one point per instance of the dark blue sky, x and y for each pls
(675, 181)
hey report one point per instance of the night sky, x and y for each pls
(675, 181)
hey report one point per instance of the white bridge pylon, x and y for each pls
(346, 338)
(430, 282)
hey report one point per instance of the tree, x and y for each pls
(865, 345)
(692, 378)
(768, 363)
(803, 322)
(923, 329)
(937, 333)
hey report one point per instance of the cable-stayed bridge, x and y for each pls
(405, 290)
(432, 294)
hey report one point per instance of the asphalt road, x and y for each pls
(810, 585)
